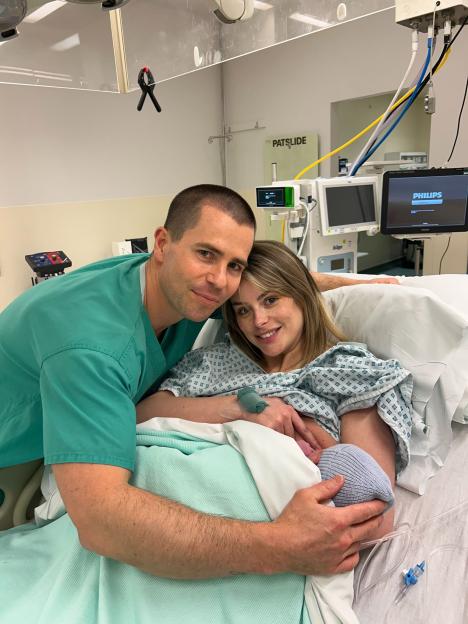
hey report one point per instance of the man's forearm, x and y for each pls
(325, 281)
(166, 539)
(213, 410)
(328, 282)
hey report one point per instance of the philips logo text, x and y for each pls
(433, 195)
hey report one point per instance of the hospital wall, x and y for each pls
(84, 230)
(291, 88)
(81, 169)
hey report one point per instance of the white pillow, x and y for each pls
(452, 289)
(430, 339)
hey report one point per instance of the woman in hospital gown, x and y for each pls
(283, 343)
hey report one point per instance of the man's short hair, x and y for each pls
(186, 206)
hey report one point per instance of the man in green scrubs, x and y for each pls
(78, 352)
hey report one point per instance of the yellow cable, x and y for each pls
(369, 127)
(283, 227)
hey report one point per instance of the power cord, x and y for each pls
(414, 95)
(307, 225)
(458, 124)
(443, 255)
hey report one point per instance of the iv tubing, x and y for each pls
(404, 529)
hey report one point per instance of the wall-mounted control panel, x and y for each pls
(48, 263)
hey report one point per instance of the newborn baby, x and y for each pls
(364, 478)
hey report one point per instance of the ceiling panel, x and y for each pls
(72, 46)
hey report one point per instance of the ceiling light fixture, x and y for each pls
(44, 11)
(309, 19)
(66, 44)
(231, 11)
(262, 6)
(107, 5)
(12, 13)
(35, 73)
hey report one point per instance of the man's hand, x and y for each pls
(325, 281)
(283, 418)
(318, 539)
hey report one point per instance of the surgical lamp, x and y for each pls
(231, 11)
(107, 5)
(12, 13)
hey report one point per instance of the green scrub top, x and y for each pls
(77, 352)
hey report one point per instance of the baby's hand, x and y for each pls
(309, 452)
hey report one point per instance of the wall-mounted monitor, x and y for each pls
(428, 201)
(277, 196)
(347, 204)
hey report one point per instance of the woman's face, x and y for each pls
(271, 322)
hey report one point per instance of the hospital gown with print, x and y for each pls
(344, 378)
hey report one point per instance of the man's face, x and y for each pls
(199, 272)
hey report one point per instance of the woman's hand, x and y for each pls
(283, 418)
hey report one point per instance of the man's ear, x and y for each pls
(161, 239)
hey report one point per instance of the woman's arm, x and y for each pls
(366, 429)
(220, 409)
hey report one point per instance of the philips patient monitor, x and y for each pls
(425, 201)
(347, 204)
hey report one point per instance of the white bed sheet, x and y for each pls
(441, 594)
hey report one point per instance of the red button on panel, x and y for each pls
(54, 259)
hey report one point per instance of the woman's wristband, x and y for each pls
(251, 401)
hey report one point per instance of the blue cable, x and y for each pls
(397, 120)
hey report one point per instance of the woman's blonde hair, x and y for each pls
(272, 267)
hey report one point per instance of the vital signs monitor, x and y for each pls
(428, 201)
(347, 204)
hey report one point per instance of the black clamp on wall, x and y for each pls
(147, 88)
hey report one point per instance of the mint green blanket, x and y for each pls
(46, 577)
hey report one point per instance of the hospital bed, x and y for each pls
(426, 328)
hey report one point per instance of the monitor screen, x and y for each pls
(425, 201)
(350, 204)
(270, 197)
(347, 204)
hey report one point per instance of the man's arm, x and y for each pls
(164, 538)
(325, 281)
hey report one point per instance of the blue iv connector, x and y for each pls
(410, 577)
